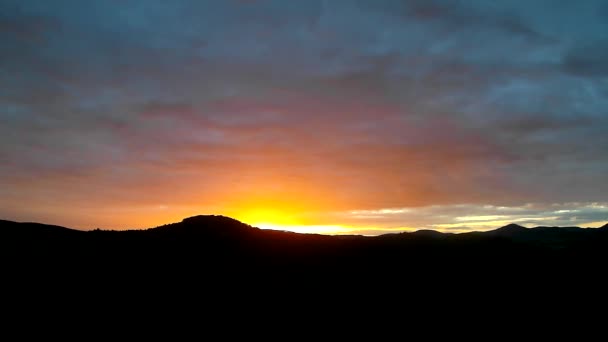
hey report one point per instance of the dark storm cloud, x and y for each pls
(590, 60)
(395, 103)
(460, 16)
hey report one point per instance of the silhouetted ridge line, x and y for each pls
(35, 228)
(509, 229)
(207, 226)
(206, 255)
(428, 233)
(223, 223)
(211, 219)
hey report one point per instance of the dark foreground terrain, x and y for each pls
(215, 245)
(215, 269)
(210, 263)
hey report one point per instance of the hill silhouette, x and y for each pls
(218, 235)
(214, 233)
(215, 253)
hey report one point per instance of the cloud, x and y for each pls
(469, 217)
(454, 16)
(342, 106)
(587, 60)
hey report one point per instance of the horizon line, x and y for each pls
(276, 227)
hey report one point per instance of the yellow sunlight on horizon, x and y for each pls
(277, 219)
(308, 229)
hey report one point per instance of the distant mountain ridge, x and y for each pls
(224, 256)
(231, 232)
(221, 223)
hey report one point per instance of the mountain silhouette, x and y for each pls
(509, 230)
(205, 229)
(212, 235)
(222, 256)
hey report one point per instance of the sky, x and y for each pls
(332, 116)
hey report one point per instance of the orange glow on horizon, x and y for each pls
(287, 217)
(270, 216)
(309, 229)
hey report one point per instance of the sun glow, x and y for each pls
(308, 229)
(276, 216)
(277, 219)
